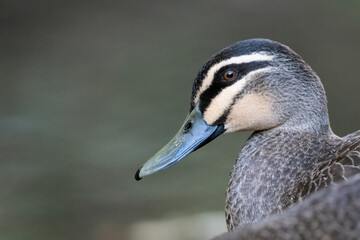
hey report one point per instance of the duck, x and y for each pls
(263, 86)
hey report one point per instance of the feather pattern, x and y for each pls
(331, 214)
(265, 181)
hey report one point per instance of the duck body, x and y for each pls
(265, 87)
(265, 181)
(332, 214)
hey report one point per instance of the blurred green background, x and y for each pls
(89, 90)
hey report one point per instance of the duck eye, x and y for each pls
(230, 75)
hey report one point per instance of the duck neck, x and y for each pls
(269, 173)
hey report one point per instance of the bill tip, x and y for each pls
(137, 175)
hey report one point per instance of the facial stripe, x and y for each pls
(206, 82)
(225, 99)
(218, 83)
(252, 111)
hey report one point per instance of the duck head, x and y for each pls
(255, 84)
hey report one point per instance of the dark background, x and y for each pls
(89, 90)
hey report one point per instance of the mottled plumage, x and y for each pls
(278, 168)
(330, 214)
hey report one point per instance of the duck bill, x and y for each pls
(193, 134)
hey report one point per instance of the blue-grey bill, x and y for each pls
(193, 134)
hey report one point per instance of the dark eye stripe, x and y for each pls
(217, 85)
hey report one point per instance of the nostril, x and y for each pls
(187, 126)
